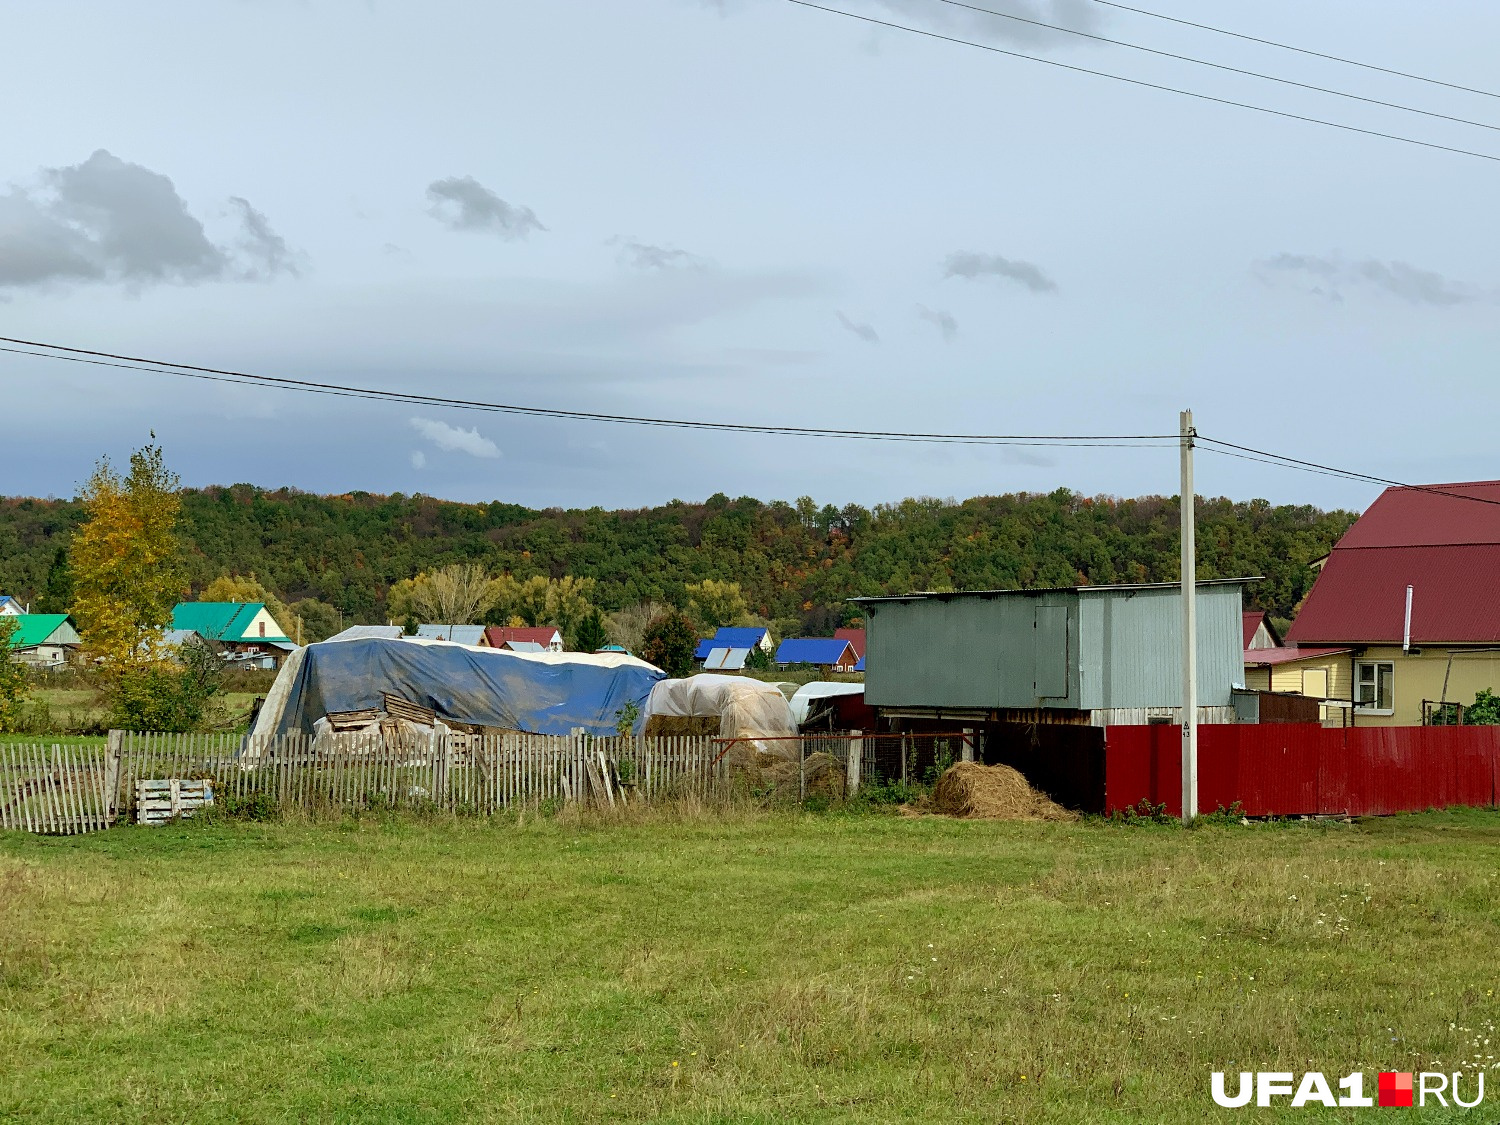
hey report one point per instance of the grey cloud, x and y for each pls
(1076, 15)
(943, 321)
(974, 266)
(1331, 276)
(109, 220)
(266, 250)
(644, 256)
(864, 331)
(463, 203)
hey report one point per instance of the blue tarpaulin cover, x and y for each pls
(545, 693)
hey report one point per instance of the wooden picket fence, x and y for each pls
(67, 789)
(58, 790)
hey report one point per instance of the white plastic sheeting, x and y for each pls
(802, 699)
(745, 708)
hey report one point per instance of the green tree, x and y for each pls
(57, 597)
(591, 635)
(712, 603)
(669, 643)
(318, 621)
(12, 678)
(451, 595)
(1484, 711)
(171, 694)
(759, 660)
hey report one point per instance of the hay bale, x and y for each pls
(968, 789)
(823, 773)
(666, 726)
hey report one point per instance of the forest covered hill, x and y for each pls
(793, 560)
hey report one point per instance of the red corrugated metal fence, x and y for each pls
(1298, 770)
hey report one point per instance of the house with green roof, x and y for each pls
(44, 640)
(242, 629)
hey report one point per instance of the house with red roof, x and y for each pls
(855, 636)
(539, 638)
(1408, 604)
(1259, 632)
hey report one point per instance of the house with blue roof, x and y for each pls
(9, 607)
(735, 639)
(833, 653)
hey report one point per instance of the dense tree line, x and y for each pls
(791, 560)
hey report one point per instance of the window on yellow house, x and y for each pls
(1375, 685)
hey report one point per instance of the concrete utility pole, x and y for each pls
(1189, 627)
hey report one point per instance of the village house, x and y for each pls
(833, 654)
(9, 607)
(730, 647)
(1259, 632)
(45, 640)
(524, 638)
(244, 630)
(1406, 609)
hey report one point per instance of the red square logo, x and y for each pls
(1394, 1089)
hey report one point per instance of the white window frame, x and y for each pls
(1373, 707)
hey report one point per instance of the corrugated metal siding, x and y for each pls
(1132, 645)
(1294, 770)
(1122, 649)
(963, 651)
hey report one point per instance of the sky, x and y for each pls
(746, 211)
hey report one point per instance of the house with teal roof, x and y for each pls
(242, 629)
(44, 640)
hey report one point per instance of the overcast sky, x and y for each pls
(743, 210)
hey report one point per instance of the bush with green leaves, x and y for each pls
(167, 695)
(12, 679)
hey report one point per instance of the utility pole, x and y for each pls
(1189, 626)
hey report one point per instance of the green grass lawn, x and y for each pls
(74, 708)
(755, 968)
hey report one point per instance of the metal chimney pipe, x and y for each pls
(1406, 633)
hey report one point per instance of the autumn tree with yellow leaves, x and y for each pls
(127, 576)
(127, 561)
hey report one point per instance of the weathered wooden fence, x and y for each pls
(59, 790)
(65, 789)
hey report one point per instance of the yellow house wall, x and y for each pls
(1421, 677)
(1293, 677)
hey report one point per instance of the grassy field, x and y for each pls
(74, 708)
(767, 967)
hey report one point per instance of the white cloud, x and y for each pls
(451, 439)
(418, 459)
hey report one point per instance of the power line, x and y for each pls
(1050, 441)
(1219, 66)
(1143, 83)
(1248, 453)
(241, 378)
(1298, 50)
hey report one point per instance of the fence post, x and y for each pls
(856, 750)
